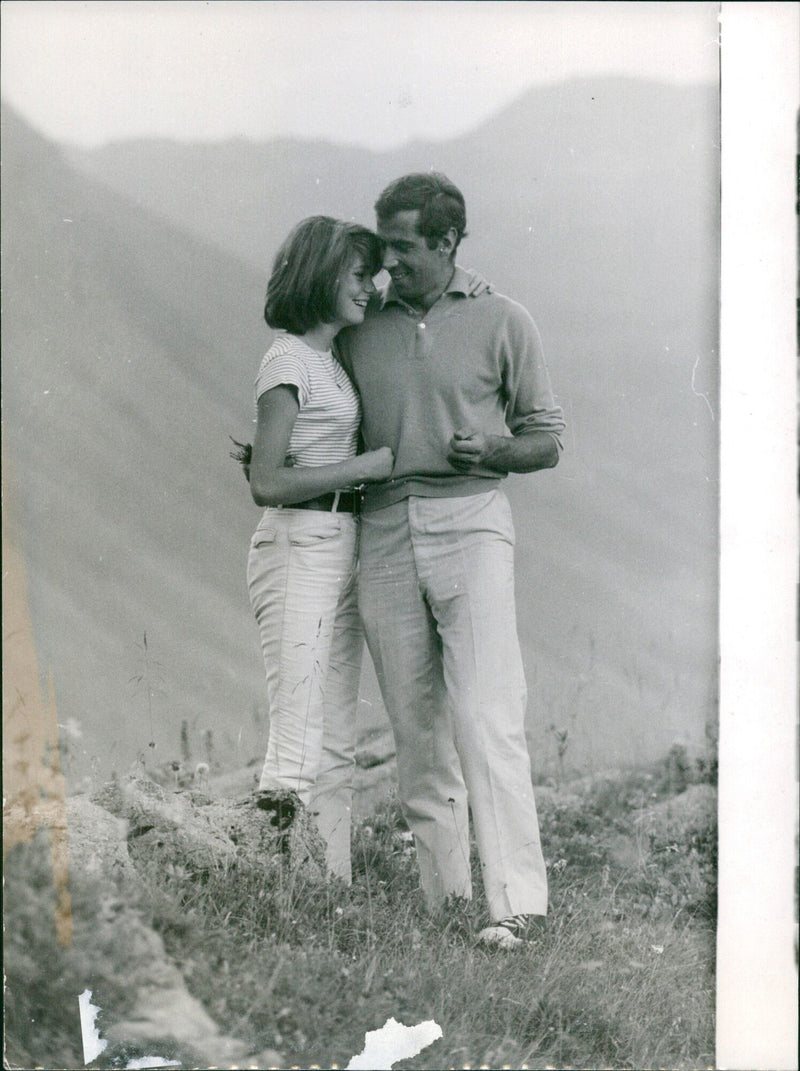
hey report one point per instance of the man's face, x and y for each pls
(417, 271)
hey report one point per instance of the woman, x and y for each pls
(305, 471)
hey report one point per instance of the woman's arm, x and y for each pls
(273, 483)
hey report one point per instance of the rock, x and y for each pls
(165, 823)
(167, 1013)
(696, 807)
(97, 842)
(188, 828)
(162, 1016)
(256, 840)
(374, 777)
(152, 1013)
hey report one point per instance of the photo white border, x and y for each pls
(757, 933)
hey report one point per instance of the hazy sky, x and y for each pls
(373, 72)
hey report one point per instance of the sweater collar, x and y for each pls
(457, 285)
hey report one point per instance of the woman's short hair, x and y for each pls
(440, 204)
(308, 268)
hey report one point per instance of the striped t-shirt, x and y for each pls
(326, 429)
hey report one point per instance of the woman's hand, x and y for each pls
(477, 285)
(377, 464)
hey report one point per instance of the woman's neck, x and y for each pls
(320, 337)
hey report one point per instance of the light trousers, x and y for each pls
(436, 593)
(301, 575)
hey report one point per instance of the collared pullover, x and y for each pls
(469, 362)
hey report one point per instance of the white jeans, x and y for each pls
(437, 600)
(301, 579)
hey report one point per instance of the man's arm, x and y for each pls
(528, 451)
(535, 421)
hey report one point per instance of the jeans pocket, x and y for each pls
(263, 537)
(310, 535)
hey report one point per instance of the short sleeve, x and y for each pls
(283, 369)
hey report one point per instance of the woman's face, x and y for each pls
(355, 290)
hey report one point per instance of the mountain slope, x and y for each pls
(119, 339)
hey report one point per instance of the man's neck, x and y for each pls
(425, 303)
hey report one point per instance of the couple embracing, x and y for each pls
(382, 438)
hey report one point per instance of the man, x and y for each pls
(444, 375)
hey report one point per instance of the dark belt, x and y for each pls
(349, 502)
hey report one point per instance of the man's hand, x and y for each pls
(467, 450)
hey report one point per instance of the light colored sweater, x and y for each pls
(473, 362)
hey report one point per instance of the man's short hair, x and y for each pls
(309, 267)
(440, 204)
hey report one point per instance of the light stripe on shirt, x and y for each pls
(326, 429)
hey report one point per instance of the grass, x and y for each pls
(620, 977)
(43, 979)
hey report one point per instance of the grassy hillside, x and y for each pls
(132, 297)
(622, 974)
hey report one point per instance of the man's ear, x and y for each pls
(448, 242)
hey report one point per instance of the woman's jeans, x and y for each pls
(301, 575)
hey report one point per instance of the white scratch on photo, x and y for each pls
(393, 1042)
